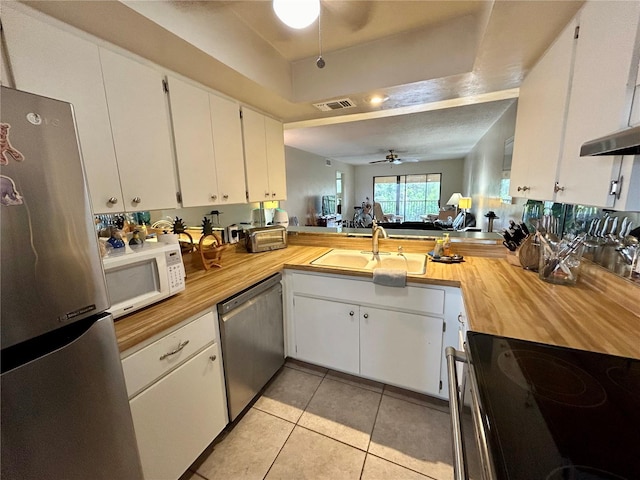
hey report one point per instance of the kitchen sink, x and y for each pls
(413, 263)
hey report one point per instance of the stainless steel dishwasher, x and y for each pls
(252, 341)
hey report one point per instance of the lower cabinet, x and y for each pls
(401, 349)
(392, 335)
(181, 408)
(327, 333)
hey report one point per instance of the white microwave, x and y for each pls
(139, 276)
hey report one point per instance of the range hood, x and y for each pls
(624, 142)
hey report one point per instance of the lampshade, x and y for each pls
(455, 199)
(297, 13)
(464, 203)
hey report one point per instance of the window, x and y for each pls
(408, 196)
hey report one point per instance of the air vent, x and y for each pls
(327, 162)
(335, 104)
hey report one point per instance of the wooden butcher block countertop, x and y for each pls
(601, 313)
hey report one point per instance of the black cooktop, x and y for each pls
(557, 413)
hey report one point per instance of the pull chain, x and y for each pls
(320, 63)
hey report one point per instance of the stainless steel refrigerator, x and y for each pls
(65, 412)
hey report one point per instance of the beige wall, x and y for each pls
(308, 178)
(451, 170)
(483, 169)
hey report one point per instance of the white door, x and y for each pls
(601, 94)
(56, 64)
(327, 333)
(542, 106)
(255, 156)
(401, 349)
(227, 144)
(140, 125)
(193, 137)
(275, 159)
(176, 418)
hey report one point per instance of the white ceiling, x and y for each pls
(449, 67)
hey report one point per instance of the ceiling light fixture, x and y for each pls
(378, 99)
(297, 13)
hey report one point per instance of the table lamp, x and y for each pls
(454, 200)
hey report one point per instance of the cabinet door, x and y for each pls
(542, 106)
(255, 156)
(327, 333)
(401, 349)
(56, 64)
(193, 137)
(275, 159)
(227, 144)
(141, 134)
(179, 416)
(600, 103)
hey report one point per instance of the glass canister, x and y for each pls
(560, 261)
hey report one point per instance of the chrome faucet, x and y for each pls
(375, 233)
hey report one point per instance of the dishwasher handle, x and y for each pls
(459, 460)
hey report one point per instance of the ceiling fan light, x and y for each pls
(297, 13)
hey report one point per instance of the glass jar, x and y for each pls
(560, 261)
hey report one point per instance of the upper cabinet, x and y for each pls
(141, 132)
(51, 62)
(119, 105)
(580, 90)
(542, 104)
(264, 157)
(208, 140)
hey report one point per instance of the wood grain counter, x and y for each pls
(601, 313)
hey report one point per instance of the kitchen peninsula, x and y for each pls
(600, 313)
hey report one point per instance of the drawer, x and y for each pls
(364, 292)
(152, 362)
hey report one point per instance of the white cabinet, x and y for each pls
(141, 134)
(542, 104)
(581, 89)
(327, 333)
(401, 348)
(177, 398)
(51, 62)
(264, 157)
(392, 335)
(208, 140)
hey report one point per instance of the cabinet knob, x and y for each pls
(226, 197)
(523, 189)
(113, 200)
(266, 194)
(137, 199)
(557, 188)
(273, 194)
(366, 315)
(213, 197)
(351, 313)
(213, 358)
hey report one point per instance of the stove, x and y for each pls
(552, 413)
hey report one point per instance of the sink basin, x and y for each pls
(413, 263)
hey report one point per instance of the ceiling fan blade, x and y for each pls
(380, 161)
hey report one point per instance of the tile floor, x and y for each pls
(313, 423)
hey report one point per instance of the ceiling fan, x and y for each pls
(393, 158)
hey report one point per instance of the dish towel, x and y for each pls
(391, 277)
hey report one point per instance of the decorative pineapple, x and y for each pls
(207, 227)
(186, 246)
(178, 226)
(210, 246)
